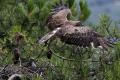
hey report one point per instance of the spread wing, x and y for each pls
(83, 37)
(49, 36)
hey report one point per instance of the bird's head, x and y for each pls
(62, 11)
(57, 16)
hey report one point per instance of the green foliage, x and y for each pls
(68, 62)
(104, 25)
(85, 11)
(70, 3)
(107, 27)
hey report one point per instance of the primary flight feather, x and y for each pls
(72, 32)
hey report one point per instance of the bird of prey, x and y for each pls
(72, 32)
(17, 59)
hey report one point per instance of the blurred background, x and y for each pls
(109, 7)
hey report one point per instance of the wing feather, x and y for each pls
(83, 36)
(49, 36)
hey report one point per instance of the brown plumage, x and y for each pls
(16, 56)
(72, 32)
(59, 17)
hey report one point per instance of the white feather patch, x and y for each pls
(48, 36)
(100, 47)
(92, 45)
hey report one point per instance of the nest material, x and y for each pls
(27, 72)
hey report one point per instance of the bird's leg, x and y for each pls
(92, 45)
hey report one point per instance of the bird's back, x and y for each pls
(82, 36)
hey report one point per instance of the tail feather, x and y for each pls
(105, 43)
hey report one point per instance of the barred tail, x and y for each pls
(105, 43)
